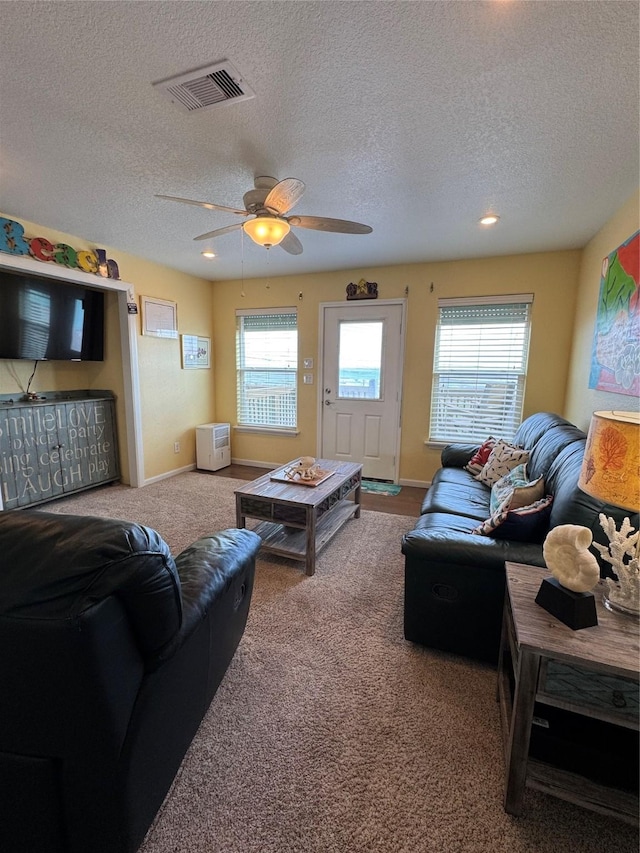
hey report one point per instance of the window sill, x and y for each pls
(436, 445)
(267, 430)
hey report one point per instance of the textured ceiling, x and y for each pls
(413, 117)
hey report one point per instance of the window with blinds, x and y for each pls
(480, 368)
(267, 367)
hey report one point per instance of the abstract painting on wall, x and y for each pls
(615, 356)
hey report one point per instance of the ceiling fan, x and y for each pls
(268, 203)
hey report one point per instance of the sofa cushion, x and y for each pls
(515, 490)
(502, 459)
(49, 573)
(535, 426)
(454, 490)
(548, 446)
(524, 524)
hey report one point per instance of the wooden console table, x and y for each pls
(298, 520)
(539, 657)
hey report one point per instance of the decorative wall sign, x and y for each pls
(14, 242)
(615, 356)
(362, 290)
(159, 317)
(195, 352)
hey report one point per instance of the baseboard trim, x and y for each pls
(253, 463)
(418, 484)
(183, 470)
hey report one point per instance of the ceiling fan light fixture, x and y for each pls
(208, 253)
(489, 219)
(267, 231)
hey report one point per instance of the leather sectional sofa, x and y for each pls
(455, 578)
(111, 654)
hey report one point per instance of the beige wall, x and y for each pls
(551, 277)
(173, 400)
(581, 400)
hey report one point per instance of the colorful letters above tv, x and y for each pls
(14, 241)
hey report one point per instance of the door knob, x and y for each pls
(327, 402)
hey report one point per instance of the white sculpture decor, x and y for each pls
(622, 594)
(566, 553)
(306, 469)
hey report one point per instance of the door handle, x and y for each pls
(327, 402)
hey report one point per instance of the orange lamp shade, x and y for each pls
(611, 465)
(267, 231)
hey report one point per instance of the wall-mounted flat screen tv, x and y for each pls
(43, 319)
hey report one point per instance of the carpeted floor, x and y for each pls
(330, 733)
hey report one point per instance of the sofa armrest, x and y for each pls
(457, 455)
(455, 549)
(206, 570)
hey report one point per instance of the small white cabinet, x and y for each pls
(213, 446)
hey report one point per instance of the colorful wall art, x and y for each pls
(615, 357)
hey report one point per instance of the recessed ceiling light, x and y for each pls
(489, 219)
(208, 253)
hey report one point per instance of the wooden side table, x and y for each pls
(539, 657)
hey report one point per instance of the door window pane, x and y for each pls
(360, 360)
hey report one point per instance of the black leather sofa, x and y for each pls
(111, 652)
(454, 578)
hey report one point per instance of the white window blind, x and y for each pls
(267, 361)
(480, 368)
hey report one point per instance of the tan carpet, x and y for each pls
(330, 733)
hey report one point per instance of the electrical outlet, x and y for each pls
(176, 447)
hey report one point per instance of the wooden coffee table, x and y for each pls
(297, 520)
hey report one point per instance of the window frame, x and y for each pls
(245, 423)
(488, 400)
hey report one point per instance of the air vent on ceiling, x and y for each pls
(205, 87)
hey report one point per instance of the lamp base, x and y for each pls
(617, 607)
(575, 609)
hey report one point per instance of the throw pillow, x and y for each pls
(514, 490)
(525, 524)
(480, 457)
(502, 459)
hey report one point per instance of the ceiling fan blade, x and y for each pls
(291, 244)
(208, 204)
(284, 195)
(219, 231)
(321, 223)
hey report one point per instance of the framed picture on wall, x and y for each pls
(159, 317)
(196, 352)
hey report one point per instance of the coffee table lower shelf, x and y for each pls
(288, 541)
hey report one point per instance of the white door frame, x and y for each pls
(355, 304)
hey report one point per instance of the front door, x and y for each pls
(362, 347)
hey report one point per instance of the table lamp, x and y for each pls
(611, 473)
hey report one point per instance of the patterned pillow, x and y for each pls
(514, 490)
(480, 457)
(525, 524)
(502, 459)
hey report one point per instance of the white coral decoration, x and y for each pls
(625, 591)
(566, 553)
